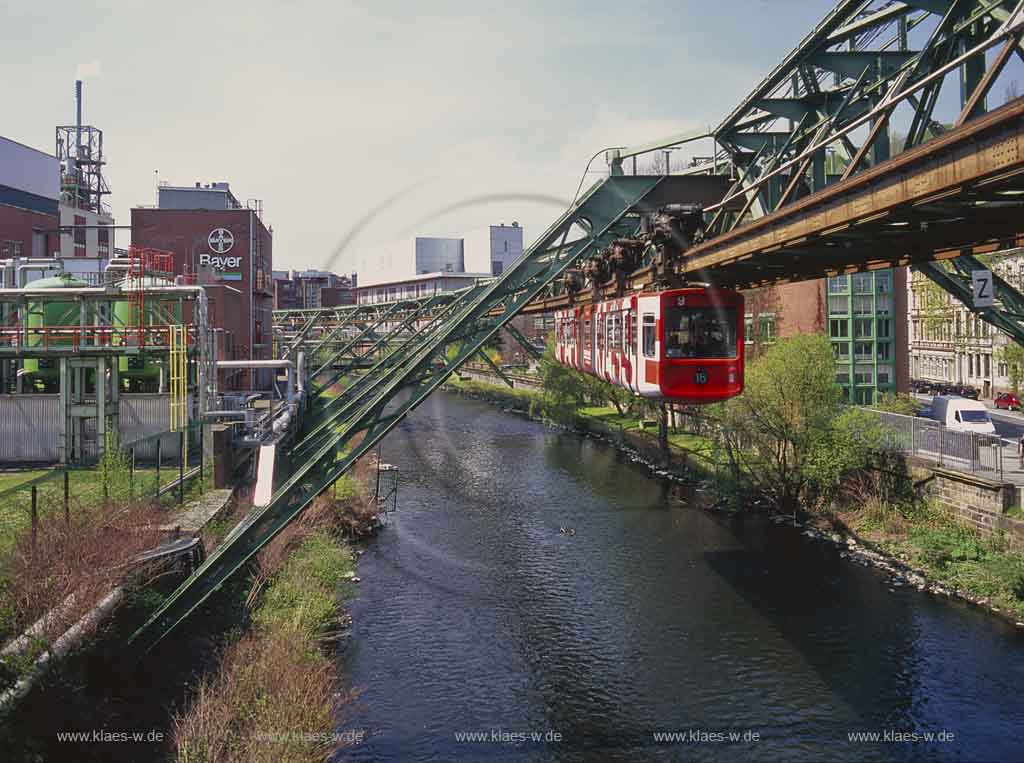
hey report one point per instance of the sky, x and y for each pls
(359, 123)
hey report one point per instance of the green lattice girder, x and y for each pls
(388, 392)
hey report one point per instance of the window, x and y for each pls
(600, 332)
(838, 328)
(862, 350)
(838, 284)
(864, 374)
(538, 323)
(1002, 369)
(842, 374)
(862, 305)
(865, 396)
(767, 328)
(10, 248)
(748, 329)
(497, 267)
(883, 304)
(649, 346)
(587, 338)
(862, 327)
(884, 326)
(862, 283)
(884, 375)
(838, 305)
(700, 332)
(988, 365)
(632, 333)
(615, 331)
(883, 282)
(842, 350)
(884, 351)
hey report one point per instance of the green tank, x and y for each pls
(141, 372)
(42, 314)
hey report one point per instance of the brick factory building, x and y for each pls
(29, 200)
(230, 251)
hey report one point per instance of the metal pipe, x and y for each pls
(100, 291)
(255, 364)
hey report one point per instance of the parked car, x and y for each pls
(1008, 401)
(964, 390)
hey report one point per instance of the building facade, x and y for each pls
(949, 344)
(506, 246)
(229, 251)
(868, 328)
(440, 255)
(29, 202)
(417, 286)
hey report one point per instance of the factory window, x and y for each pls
(506, 246)
(862, 327)
(497, 268)
(79, 236)
(838, 328)
(10, 249)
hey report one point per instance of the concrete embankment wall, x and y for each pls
(979, 501)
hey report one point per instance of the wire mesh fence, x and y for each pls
(973, 452)
(166, 468)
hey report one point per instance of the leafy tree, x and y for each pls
(788, 433)
(1013, 356)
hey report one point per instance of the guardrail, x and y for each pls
(951, 448)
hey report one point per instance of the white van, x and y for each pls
(963, 414)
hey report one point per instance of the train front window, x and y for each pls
(700, 332)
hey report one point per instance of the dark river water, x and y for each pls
(477, 616)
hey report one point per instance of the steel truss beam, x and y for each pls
(403, 379)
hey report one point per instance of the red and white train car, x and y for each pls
(682, 345)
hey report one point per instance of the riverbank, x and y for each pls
(277, 694)
(919, 545)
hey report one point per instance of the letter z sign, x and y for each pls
(981, 288)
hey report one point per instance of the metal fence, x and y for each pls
(964, 451)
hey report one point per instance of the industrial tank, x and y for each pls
(48, 314)
(142, 372)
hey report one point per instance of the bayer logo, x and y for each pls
(221, 240)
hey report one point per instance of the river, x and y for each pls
(477, 615)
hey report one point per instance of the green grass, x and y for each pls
(304, 593)
(608, 415)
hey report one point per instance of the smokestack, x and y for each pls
(78, 119)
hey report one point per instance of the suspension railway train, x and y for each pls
(680, 345)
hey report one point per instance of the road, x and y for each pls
(1008, 425)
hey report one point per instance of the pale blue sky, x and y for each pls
(323, 110)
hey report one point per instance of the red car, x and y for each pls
(1008, 400)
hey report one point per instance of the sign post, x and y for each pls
(982, 288)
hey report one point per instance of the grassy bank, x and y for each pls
(931, 540)
(275, 695)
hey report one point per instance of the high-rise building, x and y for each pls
(440, 255)
(868, 328)
(506, 246)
